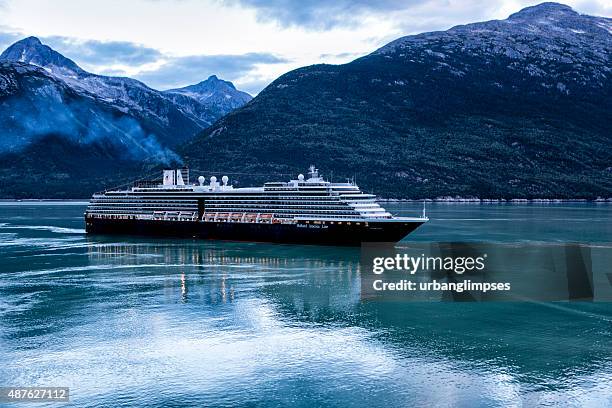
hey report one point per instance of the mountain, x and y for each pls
(31, 51)
(515, 108)
(57, 142)
(214, 93)
(91, 120)
(171, 119)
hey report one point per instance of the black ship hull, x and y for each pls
(345, 234)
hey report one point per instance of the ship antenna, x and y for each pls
(424, 216)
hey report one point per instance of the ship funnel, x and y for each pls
(179, 178)
(184, 174)
(169, 177)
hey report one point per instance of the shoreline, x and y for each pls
(497, 200)
(382, 200)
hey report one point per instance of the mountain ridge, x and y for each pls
(497, 109)
(128, 94)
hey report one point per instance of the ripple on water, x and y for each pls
(51, 228)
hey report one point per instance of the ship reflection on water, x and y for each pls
(213, 272)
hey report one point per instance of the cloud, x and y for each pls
(244, 39)
(181, 71)
(103, 53)
(7, 38)
(156, 69)
(342, 55)
(594, 7)
(253, 87)
(326, 14)
(322, 14)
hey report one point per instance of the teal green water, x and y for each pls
(150, 322)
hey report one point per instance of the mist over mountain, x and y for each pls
(47, 99)
(505, 108)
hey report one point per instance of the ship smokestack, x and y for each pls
(185, 174)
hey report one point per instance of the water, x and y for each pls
(149, 322)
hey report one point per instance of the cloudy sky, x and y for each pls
(172, 43)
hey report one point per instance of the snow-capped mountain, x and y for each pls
(571, 48)
(510, 108)
(49, 104)
(214, 93)
(31, 51)
(173, 118)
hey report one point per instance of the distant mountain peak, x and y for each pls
(545, 24)
(213, 81)
(34, 41)
(214, 91)
(32, 51)
(548, 9)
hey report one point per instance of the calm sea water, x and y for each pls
(150, 322)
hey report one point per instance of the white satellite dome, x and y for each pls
(301, 177)
(213, 179)
(225, 179)
(201, 180)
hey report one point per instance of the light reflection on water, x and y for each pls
(140, 321)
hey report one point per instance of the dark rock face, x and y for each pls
(517, 108)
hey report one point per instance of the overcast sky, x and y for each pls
(172, 43)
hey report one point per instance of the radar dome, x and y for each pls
(213, 179)
(201, 180)
(301, 177)
(225, 179)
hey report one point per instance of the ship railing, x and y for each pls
(234, 217)
(187, 216)
(171, 216)
(244, 217)
(121, 216)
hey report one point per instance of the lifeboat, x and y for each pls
(250, 217)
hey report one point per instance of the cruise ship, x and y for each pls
(304, 211)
